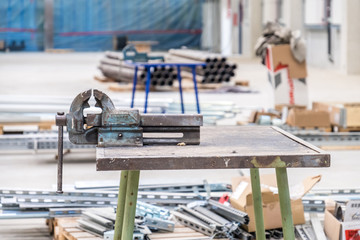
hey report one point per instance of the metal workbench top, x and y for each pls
(220, 148)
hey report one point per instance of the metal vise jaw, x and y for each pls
(111, 127)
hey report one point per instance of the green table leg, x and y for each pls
(257, 202)
(285, 204)
(130, 205)
(120, 205)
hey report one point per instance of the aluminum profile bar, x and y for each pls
(98, 219)
(303, 233)
(318, 229)
(159, 224)
(215, 217)
(92, 227)
(199, 215)
(193, 223)
(229, 212)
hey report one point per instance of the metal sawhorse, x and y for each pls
(149, 66)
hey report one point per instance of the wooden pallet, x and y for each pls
(331, 148)
(67, 229)
(103, 79)
(244, 83)
(348, 129)
(59, 50)
(43, 125)
(321, 129)
(181, 232)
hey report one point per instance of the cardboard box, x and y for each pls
(279, 107)
(280, 55)
(345, 115)
(242, 199)
(308, 118)
(336, 230)
(287, 90)
(286, 75)
(256, 115)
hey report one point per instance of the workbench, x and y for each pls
(251, 147)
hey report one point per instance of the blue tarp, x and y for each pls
(89, 25)
(22, 20)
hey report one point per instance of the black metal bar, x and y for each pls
(60, 157)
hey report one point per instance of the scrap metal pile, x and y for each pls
(158, 209)
(149, 218)
(217, 68)
(155, 211)
(213, 219)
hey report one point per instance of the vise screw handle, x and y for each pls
(60, 122)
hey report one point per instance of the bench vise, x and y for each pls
(122, 127)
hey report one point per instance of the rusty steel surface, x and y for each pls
(220, 148)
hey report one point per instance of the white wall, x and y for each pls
(235, 4)
(210, 38)
(317, 48)
(252, 26)
(350, 36)
(310, 18)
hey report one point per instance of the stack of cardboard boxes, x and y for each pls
(345, 116)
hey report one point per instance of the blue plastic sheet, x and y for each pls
(89, 25)
(22, 20)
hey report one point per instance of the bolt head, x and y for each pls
(120, 135)
(60, 119)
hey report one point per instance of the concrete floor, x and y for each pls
(68, 74)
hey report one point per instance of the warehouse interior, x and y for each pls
(179, 119)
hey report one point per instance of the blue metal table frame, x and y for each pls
(149, 66)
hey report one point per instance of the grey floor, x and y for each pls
(69, 73)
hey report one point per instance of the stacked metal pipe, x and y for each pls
(113, 66)
(217, 68)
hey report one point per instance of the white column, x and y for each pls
(252, 26)
(235, 5)
(350, 37)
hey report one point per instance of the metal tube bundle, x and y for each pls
(112, 66)
(217, 68)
